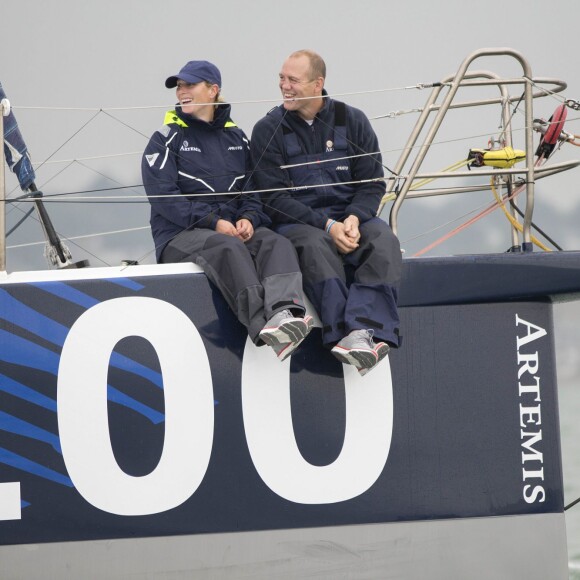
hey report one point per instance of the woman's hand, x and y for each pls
(226, 227)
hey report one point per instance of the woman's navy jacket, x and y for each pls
(190, 169)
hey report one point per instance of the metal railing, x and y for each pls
(463, 78)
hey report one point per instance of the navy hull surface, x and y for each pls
(143, 433)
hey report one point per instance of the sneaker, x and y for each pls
(360, 350)
(284, 328)
(283, 351)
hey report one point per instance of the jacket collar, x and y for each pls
(221, 117)
(326, 102)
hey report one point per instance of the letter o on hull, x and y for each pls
(83, 416)
(272, 444)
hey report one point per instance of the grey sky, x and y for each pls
(105, 54)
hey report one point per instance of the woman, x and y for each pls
(191, 167)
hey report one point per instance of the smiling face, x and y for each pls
(296, 82)
(197, 98)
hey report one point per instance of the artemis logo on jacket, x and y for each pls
(185, 147)
(235, 148)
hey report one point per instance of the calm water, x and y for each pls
(566, 323)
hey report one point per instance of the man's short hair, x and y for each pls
(317, 64)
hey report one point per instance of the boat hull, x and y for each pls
(143, 433)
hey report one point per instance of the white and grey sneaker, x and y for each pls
(284, 327)
(283, 351)
(284, 332)
(360, 350)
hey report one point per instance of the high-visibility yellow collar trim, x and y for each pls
(171, 117)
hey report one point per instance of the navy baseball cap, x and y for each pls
(196, 71)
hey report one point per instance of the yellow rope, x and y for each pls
(453, 167)
(514, 222)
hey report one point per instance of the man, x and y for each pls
(315, 154)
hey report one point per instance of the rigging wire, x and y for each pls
(49, 157)
(512, 114)
(357, 147)
(448, 223)
(571, 103)
(145, 200)
(14, 206)
(70, 138)
(20, 222)
(71, 240)
(536, 227)
(418, 86)
(105, 110)
(89, 158)
(490, 208)
(64, 198)
(289, 166)
(83, 237)
(447, 141)
(110, 178)
(126, 125)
